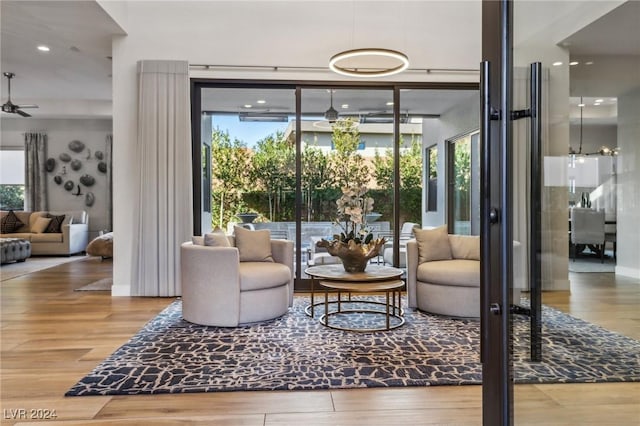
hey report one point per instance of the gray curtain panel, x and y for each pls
(35, 180)
(108, 155)
(165, 217)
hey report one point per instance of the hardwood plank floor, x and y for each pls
(51, 336)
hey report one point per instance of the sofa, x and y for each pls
(49, 232)
(228, 281)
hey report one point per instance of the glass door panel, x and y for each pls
(346, 142)
(247, 132)
(587, 114)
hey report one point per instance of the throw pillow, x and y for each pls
(433, 244)
(217, 238)
(253, 246)
(55, 226)
(10, 223)
(465, 247)
(40, 225)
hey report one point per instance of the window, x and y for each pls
(431, 158)
(464, 185)
(11, 179)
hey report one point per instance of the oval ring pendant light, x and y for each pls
(336, 63)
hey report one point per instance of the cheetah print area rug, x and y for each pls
(295, 352)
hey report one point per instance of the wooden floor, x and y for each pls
(52, 336)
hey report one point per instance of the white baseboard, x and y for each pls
(120, 290)
(628, 272)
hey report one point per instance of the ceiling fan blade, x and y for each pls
(27, 106)
(22, 113)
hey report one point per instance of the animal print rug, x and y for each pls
(171, 355)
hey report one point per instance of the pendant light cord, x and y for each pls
(581, 108)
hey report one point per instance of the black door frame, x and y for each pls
(496, 234)
(197, 84)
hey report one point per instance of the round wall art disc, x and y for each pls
(87, 180)
(76, 146)
(57, 179)
(99, 155)
(50, 164)
(89, 199)
(69, 185)
(102, 167)
(76, 165)
(64, 157)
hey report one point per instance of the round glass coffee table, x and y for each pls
(374, 279)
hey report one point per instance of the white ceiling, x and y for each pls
(80, 32)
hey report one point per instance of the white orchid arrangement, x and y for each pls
(353, 206)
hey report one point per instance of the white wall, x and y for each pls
(628, 217)
(218, 33)
(459, 120)
(60, 132)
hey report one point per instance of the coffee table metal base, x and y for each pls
(393, 306)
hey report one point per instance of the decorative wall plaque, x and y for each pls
(76, 146)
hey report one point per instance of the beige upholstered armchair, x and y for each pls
(443, 273)
(248, 280)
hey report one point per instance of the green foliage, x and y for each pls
(315, 177)
(263, 180)
(347, 166)
(410, 167)
(11, 197)
(433, 163)
(229, 176)
(273, 171)
(462, 180)
(383, 169)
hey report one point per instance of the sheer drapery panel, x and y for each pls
(165, 217)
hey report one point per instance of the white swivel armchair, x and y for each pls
(220, 290)
(587, 228)
(406, 233)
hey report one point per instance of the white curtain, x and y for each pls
(164, 207)
(35, 179)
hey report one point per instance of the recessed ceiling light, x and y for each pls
(589, 63)
(581, 105)
(261, 101)
(572, 63)
(345, 106)
(248, 106)
(389, 103)
(599, 100)
(43, 48)
(557, 64)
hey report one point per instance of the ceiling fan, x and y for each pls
(9, 106)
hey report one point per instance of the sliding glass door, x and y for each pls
(277, 156)
(346, 142)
